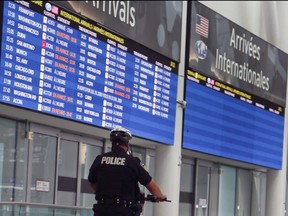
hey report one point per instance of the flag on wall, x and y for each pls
(202, 25)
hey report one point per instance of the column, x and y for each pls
(167, 176)
(168, 158)
(276, 182)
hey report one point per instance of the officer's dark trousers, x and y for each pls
(111, 210)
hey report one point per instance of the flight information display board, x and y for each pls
(224, 121)
(59, 63)
(235, 91)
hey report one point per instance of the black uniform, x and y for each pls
(116, 175)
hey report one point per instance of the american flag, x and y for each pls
(202, 25)
(55, 10)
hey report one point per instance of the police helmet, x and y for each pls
(120, 134)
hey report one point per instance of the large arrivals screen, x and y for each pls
(235, 99)
(60, 63)
(222, 121)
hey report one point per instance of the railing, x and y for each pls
(35, 209)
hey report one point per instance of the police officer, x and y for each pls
(114, 178)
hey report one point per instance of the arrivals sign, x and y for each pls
(235, 91)
(155, 24)
(227, 52)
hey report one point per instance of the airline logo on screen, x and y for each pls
(201, 49)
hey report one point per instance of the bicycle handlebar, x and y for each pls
(152, 198)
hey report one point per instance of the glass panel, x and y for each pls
(227, 187)
(186, 190)
(67, 173)
(244, 183)
(51, 211)
(138, 152)
(202, 191)
(32, 210)
(21, 163)
(187, 177)
(185, 209)
(9, 210)
(13, 160)
(88, 154)
(43, 168)
(258, 194)
(150, 166)
(214, 188)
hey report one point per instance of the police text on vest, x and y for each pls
(113, 161)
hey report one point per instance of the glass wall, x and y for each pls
(13, 160)
(202, 190)
(259, 181)
(211, 189)
(241, 192)
(67, 172)
(243, 197)
(56, 171)
(58, 167)
(227, 191)
(42, 186)
(87, 155)
(149, 164)
(186, 188)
